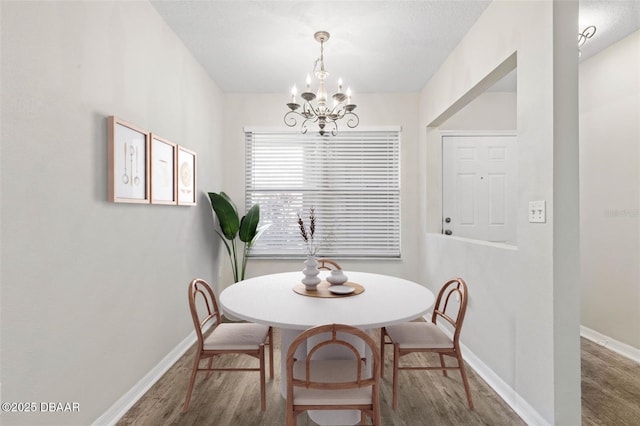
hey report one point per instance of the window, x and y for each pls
(352, 180)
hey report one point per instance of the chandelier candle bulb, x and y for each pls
(308, 82)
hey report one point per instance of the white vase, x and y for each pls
(310, 271)
(337, 277)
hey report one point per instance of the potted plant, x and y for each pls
(232, 226)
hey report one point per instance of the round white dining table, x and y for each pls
(271, 300)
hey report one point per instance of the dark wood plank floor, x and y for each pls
(610, 387)
(611, 395)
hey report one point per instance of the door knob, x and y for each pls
(447, 219)
(448, 232)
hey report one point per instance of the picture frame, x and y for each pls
(164, 160)
(186, 177)
(128, 162)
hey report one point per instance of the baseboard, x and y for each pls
(623, 349)
(122, 405)
(527, 413)
(522, 408)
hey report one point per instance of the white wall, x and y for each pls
(374, 110)
(610, 190)
(94, 294)
(489, 111)
(524, 314)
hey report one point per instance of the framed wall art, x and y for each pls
(164, 157)
(186, 177)
(128, 158)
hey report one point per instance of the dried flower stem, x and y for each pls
(312, 220)
(303, 232)
(308, 236)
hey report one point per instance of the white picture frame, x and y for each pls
(186, 177)
(164, 160)
(128, 162)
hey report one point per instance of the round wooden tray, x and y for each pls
(323, 290)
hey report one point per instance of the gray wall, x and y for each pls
(610, 191)
(609, 186)
(523, 318)
(94, 293)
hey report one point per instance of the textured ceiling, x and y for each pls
(614, 20)
(375, 46)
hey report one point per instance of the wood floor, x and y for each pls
(610, 387)
(610, 396)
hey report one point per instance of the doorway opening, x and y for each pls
(480, 164)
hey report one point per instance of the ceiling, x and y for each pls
(375, 46)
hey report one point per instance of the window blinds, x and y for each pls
(352, 180)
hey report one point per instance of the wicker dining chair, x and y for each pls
(225, 338)
(328, 264)
(334, 384)
(409, 337)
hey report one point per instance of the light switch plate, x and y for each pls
(537, 212)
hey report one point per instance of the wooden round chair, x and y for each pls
(406, 338)
(218, 338)
(341, 384)
(328, 264)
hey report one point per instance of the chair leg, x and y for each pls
(270, 352)
(383, 332)
(263, 398)
(442, 364)
(194, 371)
(363, 418)
(376, 409)
(290, 416)
(465, 381)
(396, 357)
(209, 364)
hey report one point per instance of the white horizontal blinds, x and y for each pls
(352, 180)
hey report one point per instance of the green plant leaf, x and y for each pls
(226, 244)
(249, 224)
(259, 231)
(226, 213)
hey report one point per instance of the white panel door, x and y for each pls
(479, 187)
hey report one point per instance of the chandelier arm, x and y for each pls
(338, 112)
(316, 111)
(352, 121)
(305, 126)
(310, 119)
(334, 131)
(290, 118)
(308, 110)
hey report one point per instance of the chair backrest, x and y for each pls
(361, 379)
(203, 306)
(328, 264)
(451, 305)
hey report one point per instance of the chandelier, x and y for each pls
(325, 115)
(585, 35)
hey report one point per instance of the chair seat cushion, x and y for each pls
(240, 336)
(419, 335)
(331, 371)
